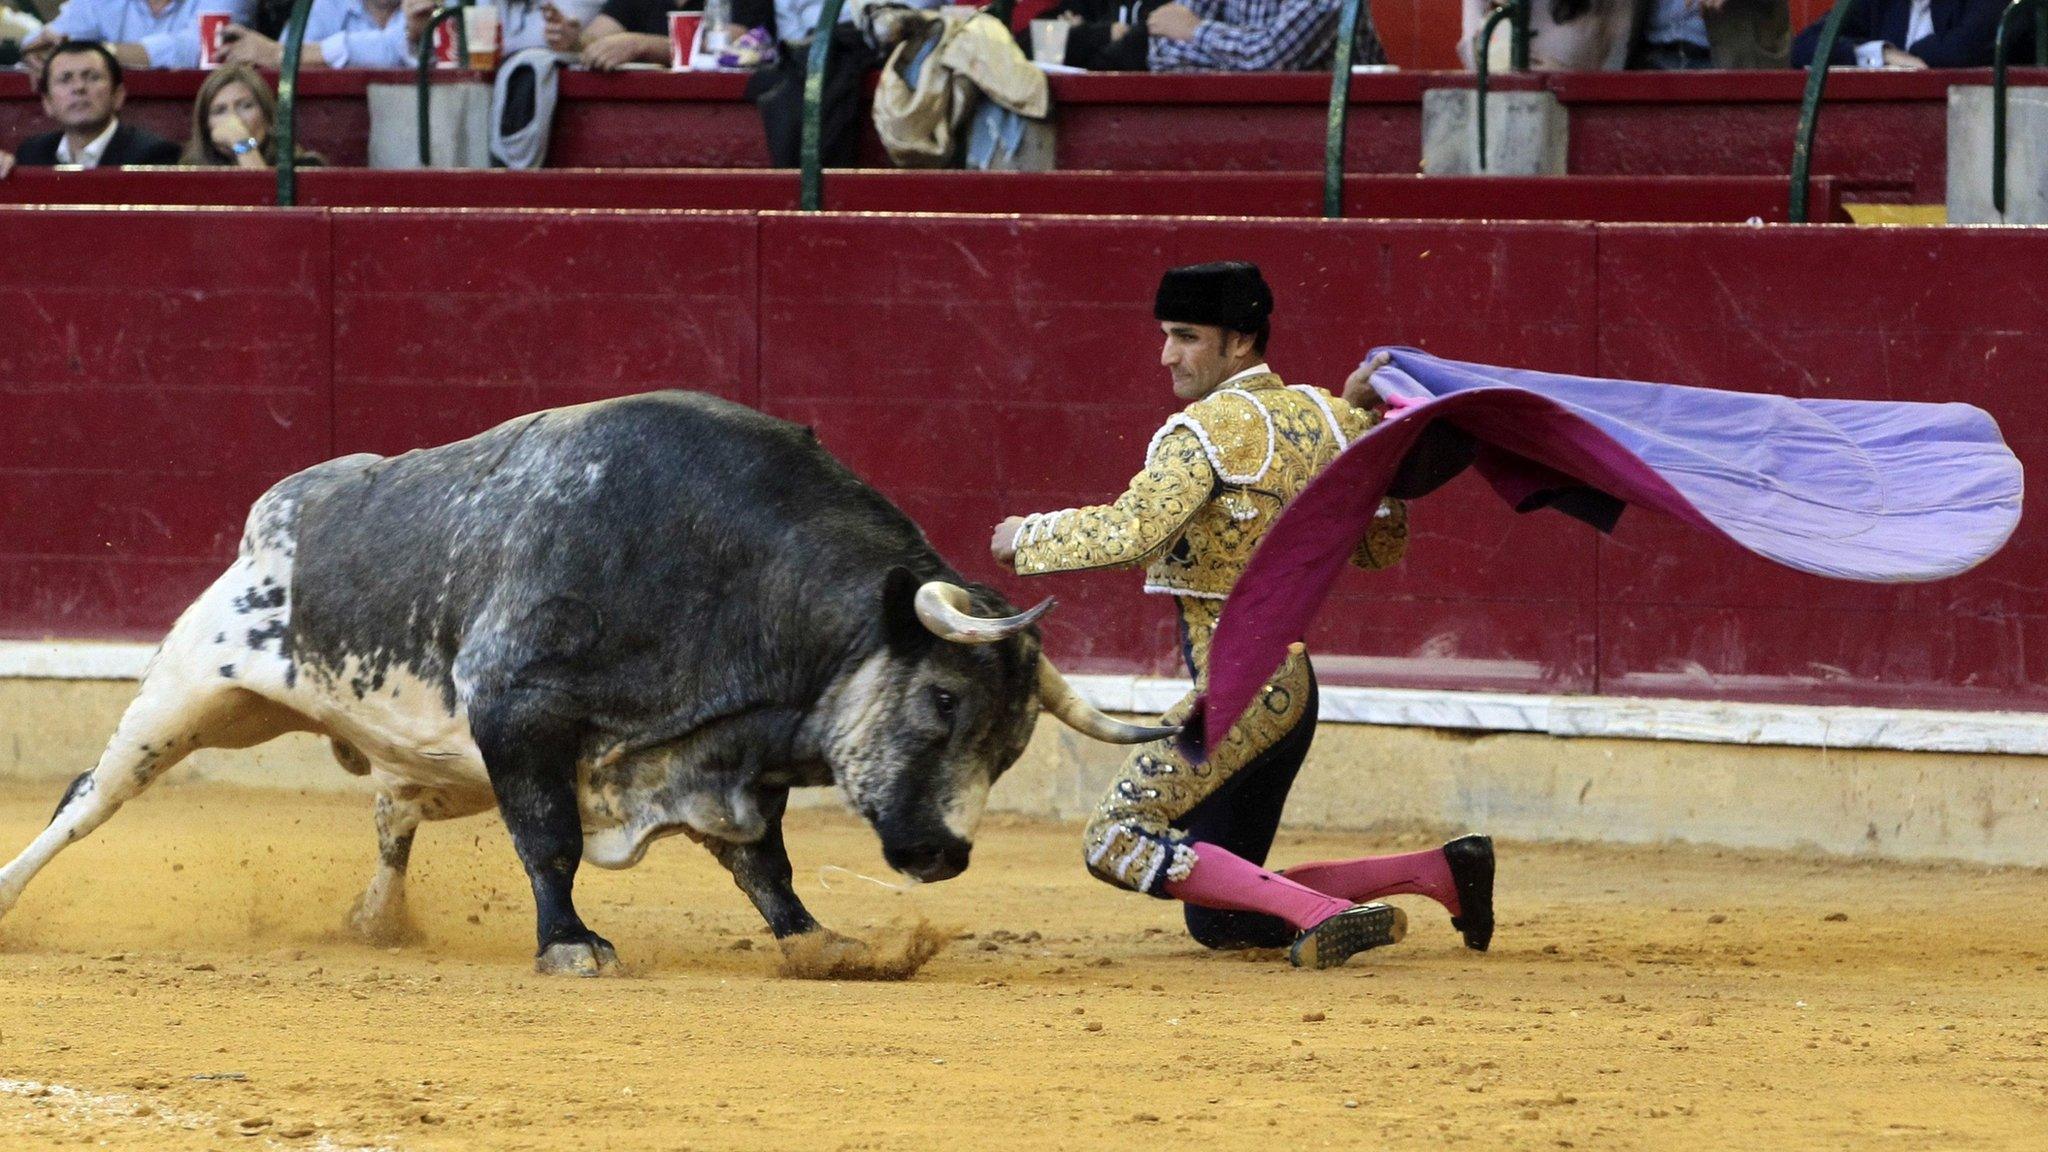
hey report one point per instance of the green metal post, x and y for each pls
(811, 181)
(426, 68)
(287, 131)
(1481, 67)
(1809, 107)
(1518, 35)
(1340, 111)
(1998, 91)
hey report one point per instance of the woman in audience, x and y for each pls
(231, 122)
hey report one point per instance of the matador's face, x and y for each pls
(1202, 356)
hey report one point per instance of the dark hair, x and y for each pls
(72, 48)
(1260, 335)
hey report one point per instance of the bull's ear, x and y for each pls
(905, 634)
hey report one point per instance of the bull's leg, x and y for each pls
(178, 711)
(530, 739)
(379, 915)
(762, 871)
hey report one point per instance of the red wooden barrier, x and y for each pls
(175, 362)
(1670, 199)
(1884, 127)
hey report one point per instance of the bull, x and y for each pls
(613, 622)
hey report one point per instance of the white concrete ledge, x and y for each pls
(1637, 718)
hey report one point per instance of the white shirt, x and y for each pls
(1258, 369)
(1919, 26)
(89, 156)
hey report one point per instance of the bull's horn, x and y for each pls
(944, 608)
(1059, 698)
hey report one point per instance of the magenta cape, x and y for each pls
(1849, 489)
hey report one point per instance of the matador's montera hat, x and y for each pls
(1228, 294)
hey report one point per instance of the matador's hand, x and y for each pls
(1003, 544)
(1358, 386)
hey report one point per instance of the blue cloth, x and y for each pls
(170, 38)
(993, 135)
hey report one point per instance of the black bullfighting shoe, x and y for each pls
(1348, 933)
(1471, 861)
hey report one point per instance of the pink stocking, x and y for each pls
(1222, 879)
(1371, 877)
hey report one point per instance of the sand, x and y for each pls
(179, 981)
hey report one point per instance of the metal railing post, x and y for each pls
(453, 11)
(1998, 89)
(1518, 58)
(1809, 108)
(811, 180)
(1340, 110)
(287, 131)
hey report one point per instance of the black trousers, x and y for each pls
(778, 91)
(1242, 817)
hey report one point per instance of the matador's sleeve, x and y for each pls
(1143, 522)
(1386, 542)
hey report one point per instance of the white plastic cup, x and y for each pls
(1049, 41)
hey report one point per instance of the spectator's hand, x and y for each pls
(248, 46)
(1003, 545)
(229, 131)
(1899, 58)
(563, 34)
(1119, 31)
(623, 48)
(1174, 22)
(6, 164)
(35, 53)
(417, 13)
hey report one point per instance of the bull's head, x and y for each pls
(925, 725)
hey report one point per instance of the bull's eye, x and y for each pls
(944, 702)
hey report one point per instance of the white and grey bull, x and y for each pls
(614, 622)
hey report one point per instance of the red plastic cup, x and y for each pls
(682, 39)
(211, 25)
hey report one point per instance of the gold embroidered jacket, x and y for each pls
(1216, 476)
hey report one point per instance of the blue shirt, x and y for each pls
(171, 39)
(350, 38)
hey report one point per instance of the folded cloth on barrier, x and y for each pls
(1880, 491)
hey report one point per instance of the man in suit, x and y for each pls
(81, 91)
(1910, 34)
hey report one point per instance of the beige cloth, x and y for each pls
(923, 126)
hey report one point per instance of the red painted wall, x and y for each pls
(976, 366)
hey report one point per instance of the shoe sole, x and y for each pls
(1471, 861)
(1348, 933)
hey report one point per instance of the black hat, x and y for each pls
(1228, 294)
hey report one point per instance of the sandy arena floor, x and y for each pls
(177, 982)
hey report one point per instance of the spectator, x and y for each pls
(1251, 36)
(81, 91)
(339, 34)
(1675, 35)
(140, 33)
(1565, 35)
(1910, 34)
(231, 123)
(1106, 35)
(777, 89)
(623, 32)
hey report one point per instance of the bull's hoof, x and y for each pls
(592, 957)
(387, 925)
